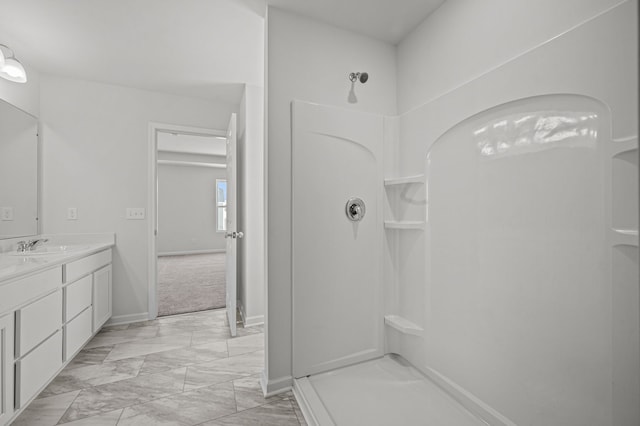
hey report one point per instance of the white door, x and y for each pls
(232, 233)
(337, 262)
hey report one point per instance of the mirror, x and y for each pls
(18, 172)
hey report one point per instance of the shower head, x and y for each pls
(362, 76)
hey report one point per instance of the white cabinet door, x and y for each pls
(6, 368)
(101, 297)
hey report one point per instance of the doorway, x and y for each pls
(188, 264)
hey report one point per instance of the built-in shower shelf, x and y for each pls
(405, 224)
(624, 237)
(620, 146)
(404, 180)
(403, 325)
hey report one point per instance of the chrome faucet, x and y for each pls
(30, 245)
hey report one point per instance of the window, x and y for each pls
(221, 205)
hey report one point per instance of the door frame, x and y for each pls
(152, 199)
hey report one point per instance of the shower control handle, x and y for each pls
(355, 209)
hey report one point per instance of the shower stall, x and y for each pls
(475, 260)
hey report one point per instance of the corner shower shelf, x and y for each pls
(620, 146)
(404, 180)
(405, 224)
(627, 237)
(403, 325)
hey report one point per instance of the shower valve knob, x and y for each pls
(355, 209)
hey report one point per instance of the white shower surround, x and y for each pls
(591, 68)
(583, 62)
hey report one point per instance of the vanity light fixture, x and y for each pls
(10, 68)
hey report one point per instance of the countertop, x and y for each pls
(14, 265)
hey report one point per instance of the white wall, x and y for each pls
(456, 64)
(464, 39)
(95, 156)
(309, 61)
(251, 277)
(187, 212)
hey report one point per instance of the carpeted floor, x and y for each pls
(191, 283)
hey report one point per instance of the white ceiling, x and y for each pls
(200, 48)
(386, 20)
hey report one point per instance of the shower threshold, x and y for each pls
(384, 391)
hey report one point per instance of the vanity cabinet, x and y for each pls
(38, 337)
(87, 299)
(45, 319)
(6, 368)
(78, 298)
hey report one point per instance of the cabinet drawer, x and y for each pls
(84, 266)
(77, 332)
(21, 291)
(35, 369)
(36, 321)
(77, 297)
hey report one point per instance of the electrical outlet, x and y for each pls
(72, 213)
(135, 213)
(7, 213)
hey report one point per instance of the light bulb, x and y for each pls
(13, 71)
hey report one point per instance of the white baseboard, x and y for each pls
(253, 321)
(468, 400)
(186, 252)
(275, 387)
(126, 319)
(249, 321)
(307, 398)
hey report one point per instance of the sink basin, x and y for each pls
(49, 250)
(10, 265)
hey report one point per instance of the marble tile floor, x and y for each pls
(178, 370)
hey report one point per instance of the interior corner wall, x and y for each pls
(96, 158)
(309, 61)
(25, 96)
(241, 212)
(464, 39)
(187, 213)
(251, 205)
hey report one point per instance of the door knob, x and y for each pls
(234, 234)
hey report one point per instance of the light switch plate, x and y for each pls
(135, 213)
(72, 213)
(7, 213)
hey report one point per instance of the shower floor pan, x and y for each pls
(384, 391)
